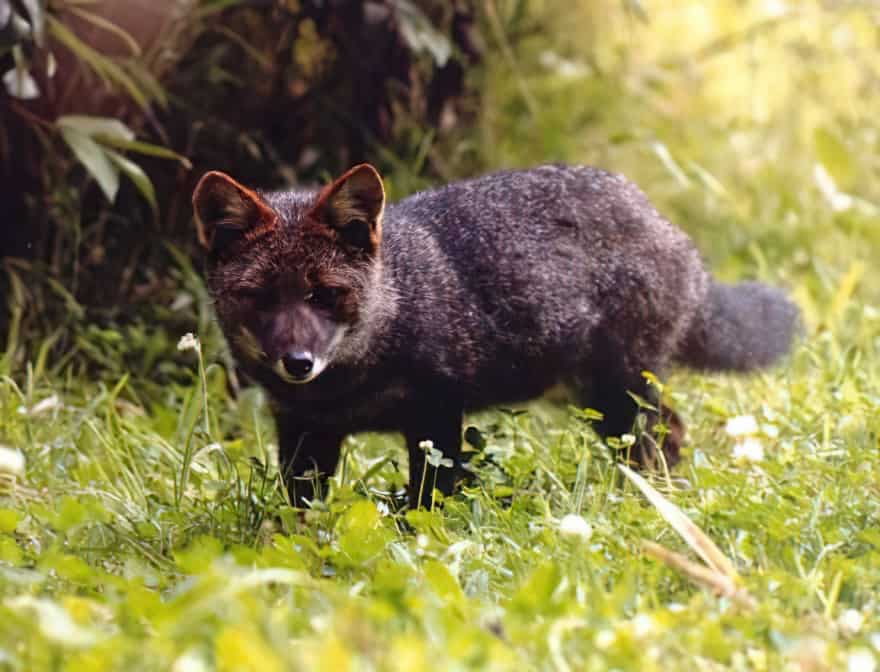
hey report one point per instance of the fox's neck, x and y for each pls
(369, 338)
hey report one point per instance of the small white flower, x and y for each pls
(776, 8)
(741, 425)
(643, 625)
(426, 444)
(770, 431)
(189, 342)
(861, 660)
(43, 406)
(54, 621)
(838, 200)
(20, 84)
(574, 526)
(748, 450)
(11, 461)
(605, 639)
(851, 622)
(191, 661)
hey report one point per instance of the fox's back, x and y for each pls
(511, 274)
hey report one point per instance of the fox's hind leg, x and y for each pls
(609, 391)
(438, 421)
(306, 459)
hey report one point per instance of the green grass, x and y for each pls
(148, 532)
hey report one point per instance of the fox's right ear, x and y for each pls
(226, 211)
(352, 206)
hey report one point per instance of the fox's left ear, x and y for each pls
(227, 212)
(352, 205)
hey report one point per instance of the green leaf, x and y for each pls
(536, 594)
(136, 174)
(10, 552)
(9, 519)
(71, 514)
(420, 34)
(199, 555)
(443, 583)
(361, 534)
(38, 20)
(100, 22)
(147, 81)
(144, 148)
(834, 156)
(95, 159)
(97, 126)
(104, 67)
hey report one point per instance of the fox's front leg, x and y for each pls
(306, 458)
(438, 421)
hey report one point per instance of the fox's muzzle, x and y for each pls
(298, 364)
(298, 367)
(299, 346)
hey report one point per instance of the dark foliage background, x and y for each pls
(275, 93)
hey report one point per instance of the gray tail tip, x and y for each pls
(742, 327)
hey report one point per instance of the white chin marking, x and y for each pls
(319, 366)
(320, 362)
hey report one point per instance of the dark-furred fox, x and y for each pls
(361, 316)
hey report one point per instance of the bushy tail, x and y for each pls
(739, 328)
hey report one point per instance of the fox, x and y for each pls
(357, 315)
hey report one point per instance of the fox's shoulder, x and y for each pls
(518, 178)
(546, 188)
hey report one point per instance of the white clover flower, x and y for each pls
(189, 342)
(748, 450)
(427, 444)
(190, 661)
(605, 639)
(643, 625)
(574, 526)
(54, 621)
(861, 660)
(11, 461)
(851, 622)
(741, 425)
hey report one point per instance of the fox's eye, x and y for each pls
(323, 296)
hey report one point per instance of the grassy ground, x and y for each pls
(146, 529)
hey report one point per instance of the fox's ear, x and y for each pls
(227, 211)
(352, 205)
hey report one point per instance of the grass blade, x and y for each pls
(693, 536)
(702, 576)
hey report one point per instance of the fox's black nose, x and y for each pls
(298, 363)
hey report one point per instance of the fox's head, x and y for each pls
(292, 273)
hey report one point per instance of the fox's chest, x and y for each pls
(357, 407)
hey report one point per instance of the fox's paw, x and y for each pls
(663, 434)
